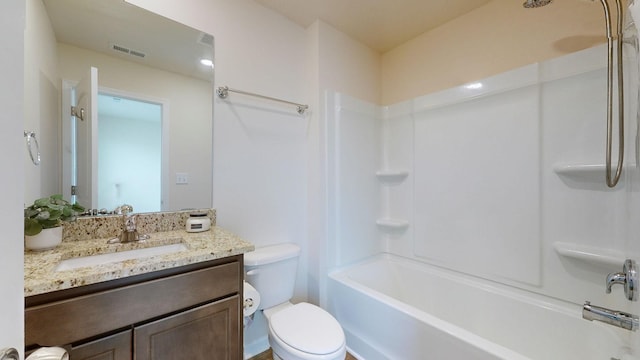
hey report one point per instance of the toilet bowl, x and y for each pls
(296, 332)
(304, 332)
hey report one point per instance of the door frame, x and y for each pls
(67, 141)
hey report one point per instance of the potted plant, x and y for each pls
(43, 221)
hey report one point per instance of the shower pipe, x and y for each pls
(612, 181)
(223, 93)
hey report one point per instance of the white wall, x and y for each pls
(259, 164)
(41, 112)
(12, 22)
(269, 166)
(189, 113)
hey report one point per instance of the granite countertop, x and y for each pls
(41, 276)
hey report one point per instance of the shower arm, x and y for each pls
(611, 182)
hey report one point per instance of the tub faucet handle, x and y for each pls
(628, 277)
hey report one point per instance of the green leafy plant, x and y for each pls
(48, 213)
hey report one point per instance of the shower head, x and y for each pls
(535, 3)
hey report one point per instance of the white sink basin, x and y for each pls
(93, 260)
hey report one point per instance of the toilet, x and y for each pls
(296, 332)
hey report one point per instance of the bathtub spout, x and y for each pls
(612, 317)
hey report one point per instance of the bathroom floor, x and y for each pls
(267, 356)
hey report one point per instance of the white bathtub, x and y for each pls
(395, 308)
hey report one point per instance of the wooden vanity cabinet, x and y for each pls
(190, 312)
(111, 347)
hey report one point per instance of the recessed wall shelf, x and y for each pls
(590, 254)
(389, 224)
(392, 176)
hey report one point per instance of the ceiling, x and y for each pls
(118, 29)
(380, 24)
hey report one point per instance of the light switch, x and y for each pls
(182, 178)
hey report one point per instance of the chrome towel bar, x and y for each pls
(223, 93)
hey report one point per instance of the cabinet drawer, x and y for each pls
(71, 320)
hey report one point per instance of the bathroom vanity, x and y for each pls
(185, 304)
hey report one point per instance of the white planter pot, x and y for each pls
(46, 240)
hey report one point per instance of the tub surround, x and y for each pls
(501, 231)
(466, 318)
(87, 237)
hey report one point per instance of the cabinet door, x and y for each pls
(114, 347)
(208, 332)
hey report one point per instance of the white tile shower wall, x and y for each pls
(397, 193)
(578, 210)
(354, 129)
(477, 192)
(482, 182)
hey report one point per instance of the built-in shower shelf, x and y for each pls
(389, 224)
(584, 172)
(590, 254)
(580, 170)
(392, 176)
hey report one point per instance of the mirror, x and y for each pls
(141, 59)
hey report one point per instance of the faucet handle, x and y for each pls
(628, 277)
(123, 209)
(129, 223)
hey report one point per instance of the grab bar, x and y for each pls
(607, 16)
(223, 93)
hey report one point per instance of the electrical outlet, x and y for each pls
(182, 178)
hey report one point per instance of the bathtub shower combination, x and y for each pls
(402, 309)
(475, 222)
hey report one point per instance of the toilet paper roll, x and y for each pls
(49, 353)
(251, 299)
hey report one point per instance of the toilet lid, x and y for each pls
(307, 328)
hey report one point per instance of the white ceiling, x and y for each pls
(99, 24)
(380, 24)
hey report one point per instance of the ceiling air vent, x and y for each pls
(206, 39)
(125, 50)
(120, 49)
(137, 53)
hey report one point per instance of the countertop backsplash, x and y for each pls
(106, 226)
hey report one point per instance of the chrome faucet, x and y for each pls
(612, 317)
(129, 230)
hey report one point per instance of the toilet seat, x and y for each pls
(308, 331)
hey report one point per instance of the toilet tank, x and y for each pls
(272, 271)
